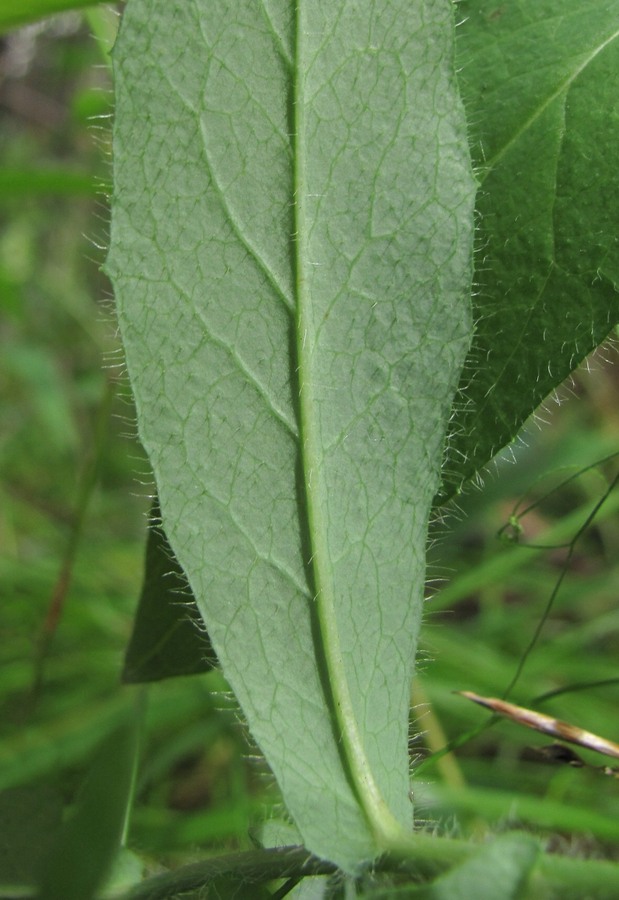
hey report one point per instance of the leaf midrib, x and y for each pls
(386, 829)
(562, 88)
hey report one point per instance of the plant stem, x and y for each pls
(431, 857)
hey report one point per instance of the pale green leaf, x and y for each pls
(540, 82)
(291, 242)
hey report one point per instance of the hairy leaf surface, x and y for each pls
(291, 243)
(540, 79)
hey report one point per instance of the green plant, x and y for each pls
(268, 235)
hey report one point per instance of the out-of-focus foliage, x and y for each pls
(14, 13)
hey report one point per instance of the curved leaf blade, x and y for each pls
(87, 843)
(291, 245)
(540, 82)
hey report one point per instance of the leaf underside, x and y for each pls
(291, 243)
(545, 140)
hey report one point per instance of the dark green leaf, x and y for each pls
(30, 817)
(59, 182)
(168, 636)
(540, 79)
(248, 871)
(85, 847)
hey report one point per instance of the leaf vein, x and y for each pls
(242, 237)
(535, 115)
(252, 379)
(277, 37)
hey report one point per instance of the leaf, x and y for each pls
(37, 750)
(291, 242)
(250, 870)
(499, 871)
(56, 181)
(86, 845)
(540, 79)
(167, 639)
(29, 818)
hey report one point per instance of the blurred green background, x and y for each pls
(74, 498)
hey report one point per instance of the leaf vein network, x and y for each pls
(233, 220)
(283, 51)
(260, 554)
(252, 379)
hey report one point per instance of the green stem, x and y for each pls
(432, 856)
